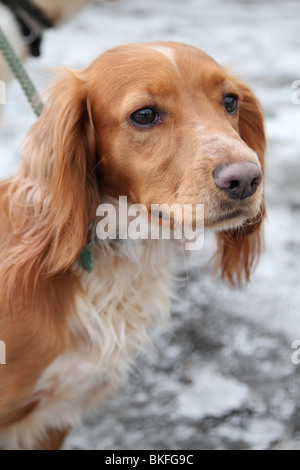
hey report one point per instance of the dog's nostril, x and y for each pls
(234, 184)
(256, 181)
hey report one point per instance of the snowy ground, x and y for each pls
(220, 375)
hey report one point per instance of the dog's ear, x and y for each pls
(73, 193)
(54, 196)
(239, 249)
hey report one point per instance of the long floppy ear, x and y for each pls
(54, 196)
(239, 249)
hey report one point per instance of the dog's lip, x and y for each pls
(226, 217)
(217, 220)
(231, 215)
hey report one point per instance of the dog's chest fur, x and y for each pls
(128, 290)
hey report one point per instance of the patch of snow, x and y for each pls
(211, 394)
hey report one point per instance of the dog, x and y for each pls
(155, 122)
(24, 23)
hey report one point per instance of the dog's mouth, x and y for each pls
(209, 223)
(228, 221)
(228, 217)
(225, 219)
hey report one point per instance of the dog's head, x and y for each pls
(161, 123)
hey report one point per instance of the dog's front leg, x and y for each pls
(53, 441)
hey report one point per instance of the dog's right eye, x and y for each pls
(144, 117)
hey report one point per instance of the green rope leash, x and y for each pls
(20, 73)
(86, 257)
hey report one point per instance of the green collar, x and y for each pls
(86, 259)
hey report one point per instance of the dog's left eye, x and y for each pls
(231, 103)
(144, 117)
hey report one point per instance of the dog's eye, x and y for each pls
(144, 117)
(231, 103)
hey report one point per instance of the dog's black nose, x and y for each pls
(238, 180)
